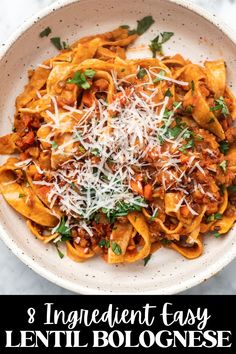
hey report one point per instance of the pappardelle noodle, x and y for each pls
(119, 157)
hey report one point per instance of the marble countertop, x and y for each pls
(15, 277)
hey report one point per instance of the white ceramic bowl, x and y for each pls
(198, 36)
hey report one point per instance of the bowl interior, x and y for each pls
(195, 38)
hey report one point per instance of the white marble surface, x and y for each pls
(15, 277)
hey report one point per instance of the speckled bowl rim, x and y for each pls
(56, 279)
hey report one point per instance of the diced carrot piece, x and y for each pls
(184, 211)
(148, 192)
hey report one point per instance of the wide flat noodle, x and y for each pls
(216, 76)
(77, 254)
(189, 252)
(8, 143)
(120, 235)
(203, 116)
(23, 199)
(138, 221)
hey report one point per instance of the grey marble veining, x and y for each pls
(15, 277)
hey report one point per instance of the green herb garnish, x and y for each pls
(189, 109)
(21, 195)
(141, 73)
(95, 152)
(156, 43)
(80, 79)
(216, 233)
(232, 189)
(131, 32)
(104, 243)
(147, 259)
(217, 216)
(122, 209)
(158, 79)
(116, 248)
(165, 242)
(45, 32)
(54, 145)
(224, 147)
(177, 104)
(220, 105)
(63, 229)
(175, 131)
(223, 165)
(90, 73)
(211, 120)
(189, 145)
(144, 24)
(154, 215)
(168, 93)
(56, 41)
(222, 189)
(192, 87)
(81, 149)
(60, 254)
(124, 26)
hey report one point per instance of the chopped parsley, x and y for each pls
(168, 93)
(104, 243)
(54, 145)
(56, 41)
(80, 79)
(124, 26)
(232, 189)
(222, 189)
(175, 131)
(220, 105)
(147, 259)
(154, 215)
(158, 79)
(95, 152)
(189, 109)
(116, 248)
(188, 145)
(217, 216)
(81, 149)
(165, 242)
(90, 73)
(21, 195)
(156, 43)
(131, 32)
(224, 147)
(122, 209)
(144, 24)
(64, 230)
(192, 87)
(142, 72)
(216, 233)
(45, 32)
(211, 120)
(60, 254)
(177, 104)
(223, 165)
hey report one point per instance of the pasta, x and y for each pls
(118, 157)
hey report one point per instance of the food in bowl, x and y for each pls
(118, 157)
